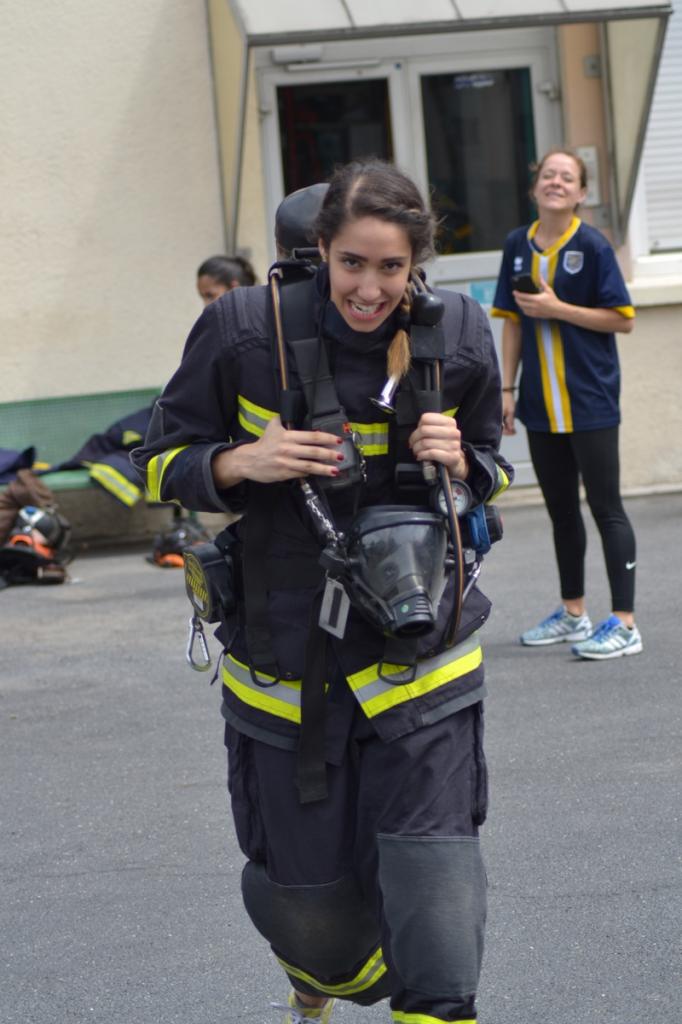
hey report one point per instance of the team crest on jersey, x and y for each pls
(573, 261)
(518, 264)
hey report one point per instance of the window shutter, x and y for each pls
(663, 146)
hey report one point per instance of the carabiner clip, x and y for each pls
(197, 635)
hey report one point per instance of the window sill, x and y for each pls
(657, 280)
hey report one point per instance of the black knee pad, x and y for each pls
(327, 930)
(434, 892)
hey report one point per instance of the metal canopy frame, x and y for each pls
(458, 24)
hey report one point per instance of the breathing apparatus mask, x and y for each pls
(392, 566)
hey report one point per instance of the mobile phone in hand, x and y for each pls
(524, 283)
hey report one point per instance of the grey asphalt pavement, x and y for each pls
(119, 867)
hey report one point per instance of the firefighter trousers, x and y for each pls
(379, 890)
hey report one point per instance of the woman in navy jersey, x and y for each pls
(563, 298)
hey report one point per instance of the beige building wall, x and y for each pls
(582, 102)
(253, 233)
(110, 191)
(650, 446)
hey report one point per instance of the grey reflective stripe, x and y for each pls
(370, 972)
(115, 483)
(254, 418)
(282, 699)
(375, 695)
(372, 438)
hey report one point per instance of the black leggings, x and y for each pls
(559, 461)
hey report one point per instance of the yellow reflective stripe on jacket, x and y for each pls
(131, 437)
(502, 483)
(376, 695)
(282, 699)
(254, 418)
(368, 975)
(156, 468)
(424, 1018)
(115, 483)
(373, 438)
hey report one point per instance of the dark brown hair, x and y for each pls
(226, 269)
(375, 188)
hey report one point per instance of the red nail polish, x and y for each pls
(335, 472)
(340, 457)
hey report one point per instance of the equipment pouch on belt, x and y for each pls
(210, 577)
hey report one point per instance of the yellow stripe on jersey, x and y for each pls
(560, 242)
(508, 313)
(551, 350)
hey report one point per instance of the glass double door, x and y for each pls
(466, 125)
(478, 141)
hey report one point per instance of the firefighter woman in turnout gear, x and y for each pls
(354, 719)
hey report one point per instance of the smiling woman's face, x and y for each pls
(369, 266)
(558, 187)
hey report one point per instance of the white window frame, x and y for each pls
(542, 63)
(271, 79)
(402, 60)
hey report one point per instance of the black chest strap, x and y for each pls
(297, 304)
(311, 777)
(257, 532)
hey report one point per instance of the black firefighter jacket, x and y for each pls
(224, 393)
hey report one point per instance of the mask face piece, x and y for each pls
(397, 558)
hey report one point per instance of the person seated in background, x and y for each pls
(220, 274)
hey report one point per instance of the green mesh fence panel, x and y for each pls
(57, 427)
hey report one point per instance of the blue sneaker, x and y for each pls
(611, 639)
(557, 628)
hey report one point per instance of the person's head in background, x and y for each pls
(558, 181)
(220, 274)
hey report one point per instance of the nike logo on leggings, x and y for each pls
(630, 565)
